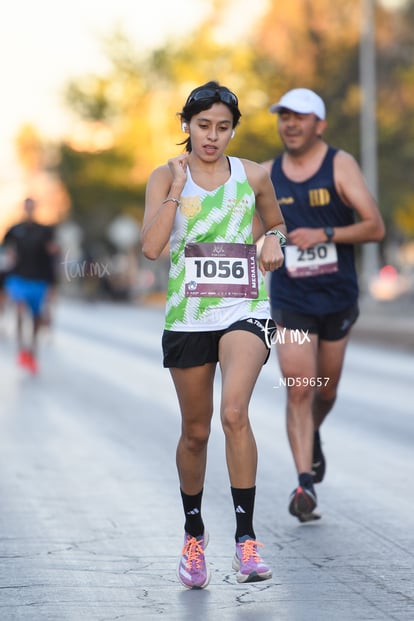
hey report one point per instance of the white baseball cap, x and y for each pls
(301, 100)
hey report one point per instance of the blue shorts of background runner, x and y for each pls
(30, 292)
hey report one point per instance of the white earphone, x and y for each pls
(233, 133)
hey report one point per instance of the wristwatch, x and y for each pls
(329, 232)
(279, 234)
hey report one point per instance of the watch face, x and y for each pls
(329, 232)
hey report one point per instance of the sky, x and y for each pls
(45, 43)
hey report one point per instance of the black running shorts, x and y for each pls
(192, 349)
(331, 327)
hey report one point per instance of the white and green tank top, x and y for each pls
(225, 216)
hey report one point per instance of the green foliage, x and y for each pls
(100, 188)
(301, 43)
(88, 98)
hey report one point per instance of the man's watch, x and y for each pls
(329, 232)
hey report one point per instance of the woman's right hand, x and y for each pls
(178, 167)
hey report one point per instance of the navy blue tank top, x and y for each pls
(314, 203)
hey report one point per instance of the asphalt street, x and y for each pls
(91, 524)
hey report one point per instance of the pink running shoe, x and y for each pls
(249, 565)
(192, 570)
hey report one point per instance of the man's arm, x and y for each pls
(353, 190)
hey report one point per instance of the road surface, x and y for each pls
(91, 521)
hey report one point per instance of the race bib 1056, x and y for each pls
(221, 270)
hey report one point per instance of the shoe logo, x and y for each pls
(194, 511)
(240, 509)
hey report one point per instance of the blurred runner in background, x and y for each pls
(29, 279)
(5, 265)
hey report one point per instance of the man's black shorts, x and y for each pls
(192, 349)
(331, 327)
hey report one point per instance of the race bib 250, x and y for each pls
(320, 259)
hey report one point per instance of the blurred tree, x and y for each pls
(396, 117)
(99, 162)
(315, 43)
(311, 43)
(100, 188)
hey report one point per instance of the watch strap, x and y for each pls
(279, 234)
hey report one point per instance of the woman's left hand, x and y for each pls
(271, 256)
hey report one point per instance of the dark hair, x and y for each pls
(202, 98)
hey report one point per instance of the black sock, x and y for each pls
(243, 500)
(194, 524)
(316, 443)
(306, 480)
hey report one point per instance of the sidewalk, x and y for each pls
(386, 323)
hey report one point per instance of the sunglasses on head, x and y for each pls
(225, 96)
